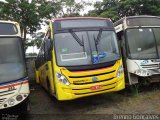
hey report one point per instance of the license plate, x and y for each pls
(97, 87)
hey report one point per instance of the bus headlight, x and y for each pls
(11, 101)
(120, 71)
(19, 97)
(62, 79)
(141, 72)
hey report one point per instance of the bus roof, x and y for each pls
(120, 21)
(74, 18)
(5, 21)
(8, 30)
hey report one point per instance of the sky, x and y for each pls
(3, 1)
(86, 9)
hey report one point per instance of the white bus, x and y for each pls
(14, 86)
(139, 38)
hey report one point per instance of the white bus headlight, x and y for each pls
(141, 72)
(11, 101)
(19, 97)
(120, 71)
(62, 79)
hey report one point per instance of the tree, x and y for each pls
(70, 8)
(107, 8)
(29, 15)
(117, 9)
(110, 9)
(139, 7)
(34, 40)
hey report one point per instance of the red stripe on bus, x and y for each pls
(76, 18)
(2, 87)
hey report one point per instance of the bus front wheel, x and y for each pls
(24, 107)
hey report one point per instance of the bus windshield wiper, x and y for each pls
(98, 36)
(95, 43)
(81, 43)
(101, 54)
(76, 38)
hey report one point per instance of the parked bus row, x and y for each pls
(80, 56)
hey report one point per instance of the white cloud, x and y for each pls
(3, 1)
(89, 7)
(92, 1)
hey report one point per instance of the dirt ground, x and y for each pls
(99, 107)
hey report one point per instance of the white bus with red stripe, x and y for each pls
(14, 86)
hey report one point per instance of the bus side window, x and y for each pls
(47, 46)
(49, 40)
(42, 54)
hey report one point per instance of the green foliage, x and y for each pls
(140, 7)
(29, 15)
(117, 9)
(36, 40)
(69, 8)
(107, 8)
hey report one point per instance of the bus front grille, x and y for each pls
(92, 75)
(2, 100)
(93, 82)
(84, 91)
(89, 79)
(7, 93)
(151, 66)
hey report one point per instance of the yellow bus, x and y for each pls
(79, 57)
(14, 87)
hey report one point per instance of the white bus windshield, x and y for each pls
(142, 42)
(143, 21)
(8, 29)
(157, 36)
(12, 66)
(70, 52)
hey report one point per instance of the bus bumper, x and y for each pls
(77, 91)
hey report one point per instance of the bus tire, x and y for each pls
(48, 86)
(39, 80)
(24, 107)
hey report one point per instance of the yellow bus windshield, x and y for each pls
(69, 51)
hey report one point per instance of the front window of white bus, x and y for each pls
(157, 37)
(12, 65)
(143, 43)
(143, 37)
